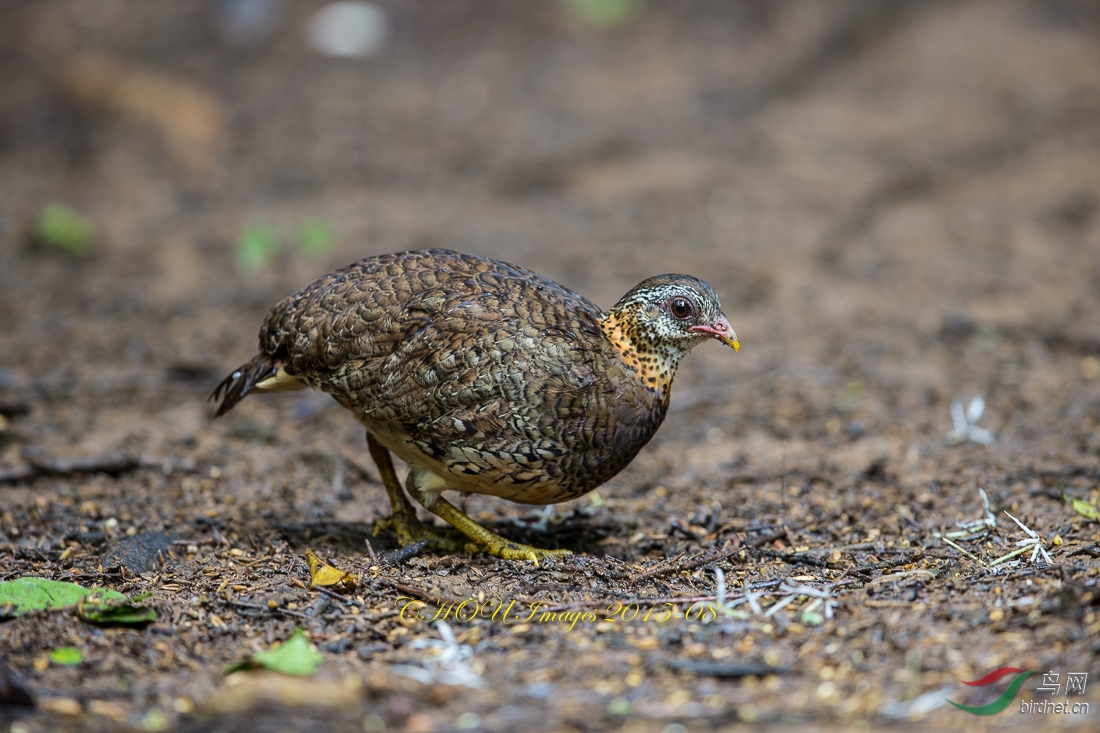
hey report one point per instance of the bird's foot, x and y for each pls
(410, 530)
(509, 550)
(482, 540)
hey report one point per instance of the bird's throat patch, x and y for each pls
(654, 367)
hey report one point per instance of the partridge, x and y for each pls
(483, 377)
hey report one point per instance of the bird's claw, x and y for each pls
(516, 551)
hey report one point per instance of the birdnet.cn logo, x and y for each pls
(1052, 685)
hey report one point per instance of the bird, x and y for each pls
(484, 377)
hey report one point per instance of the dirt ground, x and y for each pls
(896, 201)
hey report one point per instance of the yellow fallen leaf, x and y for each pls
(1082, 507)
(323, 575)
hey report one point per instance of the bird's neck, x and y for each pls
(653, 365)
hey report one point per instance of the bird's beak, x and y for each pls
(720, 330)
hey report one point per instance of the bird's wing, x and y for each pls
(477, 353)
(419, 335)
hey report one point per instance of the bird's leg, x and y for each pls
(404, 521)
(482, 538)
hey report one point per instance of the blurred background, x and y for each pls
(896, 200)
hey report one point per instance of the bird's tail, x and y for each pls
(263, 373)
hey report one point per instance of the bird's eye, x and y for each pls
(681, 308)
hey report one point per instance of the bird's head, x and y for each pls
(663, 318)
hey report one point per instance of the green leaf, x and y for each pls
(294, 656)
(315, 238)
(67, 655)
(603, 14)
(255, 247)
(1082, 507)
(98, 605)
(59, 226)
(38, 594)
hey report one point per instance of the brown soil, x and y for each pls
(896, 202)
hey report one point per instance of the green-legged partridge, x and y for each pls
(483, 377)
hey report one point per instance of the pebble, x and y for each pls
(348, 29)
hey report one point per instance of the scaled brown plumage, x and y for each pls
(483, 376)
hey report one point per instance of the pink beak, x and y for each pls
(720, 330)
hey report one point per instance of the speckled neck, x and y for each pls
(654, 364)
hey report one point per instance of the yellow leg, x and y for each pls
(483, 539)
(404, 521)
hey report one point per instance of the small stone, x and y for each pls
(348, 29)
